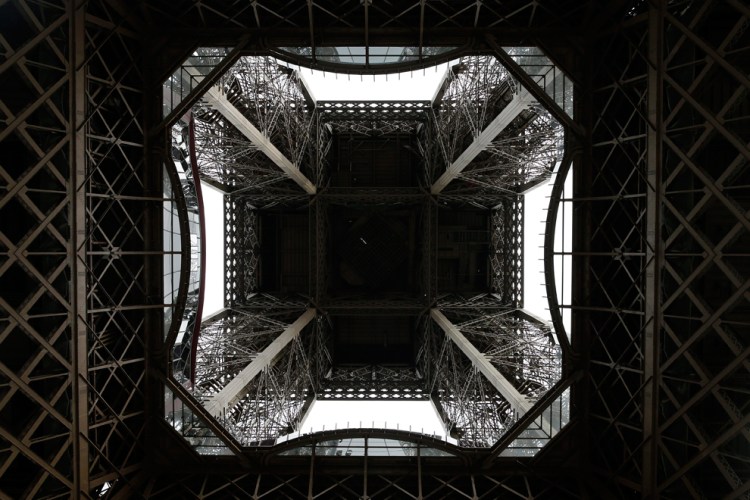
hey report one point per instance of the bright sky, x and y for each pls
(420, 415)
(417, 416)
(419, 85)
(213, 203)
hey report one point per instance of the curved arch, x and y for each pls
(371, 69)
(181, 299)
(549, 247)
(411, 437)
(202, 230)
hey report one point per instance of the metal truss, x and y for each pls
(664, 248)
(522, 352)
(366, 197)
(475, 91)
(661, 299)
(515, 345)
(472, 410)
(319, 211)
(272, 98)
(374, 381)
(190, 77)
(300, 30)
(364, 477)
(241, 250)
(374, 118)
(487, 130)
(76, 199)
(406, 305)
(319, 151)
(523, 154)
(255, 127)
(428, 264)
(229, 159)
(506, 255)
(272, 403)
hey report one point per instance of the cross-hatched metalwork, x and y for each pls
(474, 92)
(668, 235)
(522, 351)
(524, 134)
(524, 153)
(660, 296)
(272, 98)
(241, 247)
(273, 403)
(506, 253)
(226, 157)
(373, 118)
(373, 382)
(76, 200)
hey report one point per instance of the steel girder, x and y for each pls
(416, 25)
(363, 382)
(273, 400)
(667, 243)
(78, 204)
(481, 395)
(702, 358)
(318, 480)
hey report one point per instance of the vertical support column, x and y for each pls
(654, 250)
(311, 476)
(77, 252)
(364, 474)
(419, 472)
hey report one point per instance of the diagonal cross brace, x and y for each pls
(520, 102)
(518, 401)
(217, 100)
(238, 386)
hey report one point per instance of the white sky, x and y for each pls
(213, 293)
(419, 85)
(420, 415)
(417, 416)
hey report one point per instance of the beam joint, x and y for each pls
(238, 386)
(520, 102)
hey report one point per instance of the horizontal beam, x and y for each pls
(237, 387)
(217, 100)
(520, 102)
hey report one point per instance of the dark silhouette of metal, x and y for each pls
(659, 310)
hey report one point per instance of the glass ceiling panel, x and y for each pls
(182, 81)
(545, 73)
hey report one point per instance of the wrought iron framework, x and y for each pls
(666, 256)
(661, 294)
(274, 402)
(373, 382)
(481, 90)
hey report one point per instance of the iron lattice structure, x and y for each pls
(356, 122)
(375, 381)
(474, 92)
(660, 292)
(273, 404)
(506, 259)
